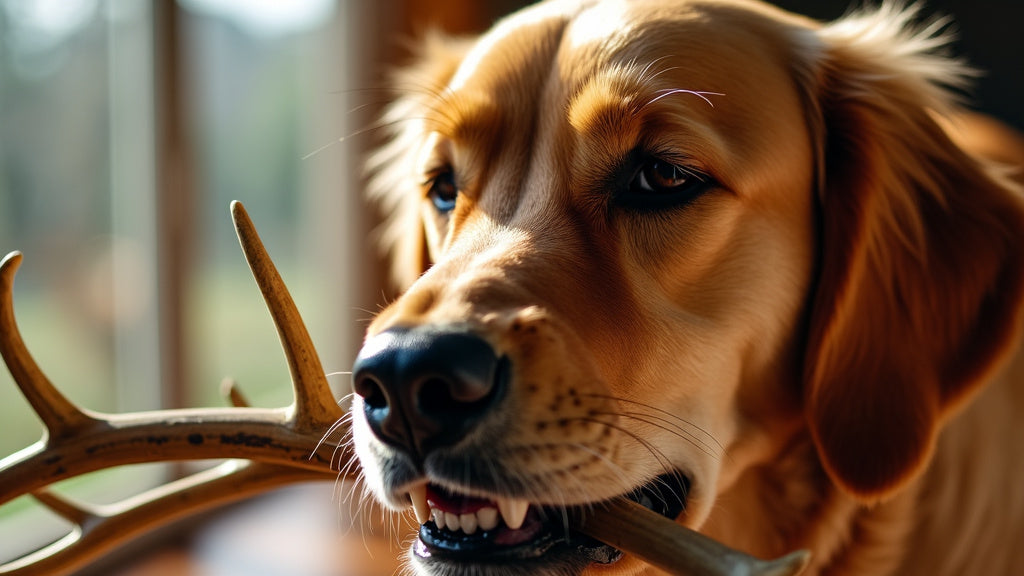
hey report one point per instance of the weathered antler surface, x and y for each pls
(268, 447)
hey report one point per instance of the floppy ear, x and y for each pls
(392, 167)
(921, 266)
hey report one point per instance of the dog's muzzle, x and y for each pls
(424, 391)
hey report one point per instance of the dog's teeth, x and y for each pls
(487, 518)
(484, 519)
(451, 521)
(468, 523)
(513, 511)
(418, 496)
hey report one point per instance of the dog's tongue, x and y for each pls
(630, 527)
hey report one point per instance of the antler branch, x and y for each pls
(313, 397)
(61, 418)
(99, 529)
(280, 446)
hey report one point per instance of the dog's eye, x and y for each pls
(654, 183)
(443, 191)
(660, 177)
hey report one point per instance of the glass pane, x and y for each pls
(268, 101)
(55, 199)
(75, 182)
(266, 90)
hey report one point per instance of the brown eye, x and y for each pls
(651, 183)
(657, 176)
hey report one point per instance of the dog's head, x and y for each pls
(647, 246)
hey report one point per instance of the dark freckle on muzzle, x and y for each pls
(425, 388)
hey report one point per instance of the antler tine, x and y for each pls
(60, 416)
(230, 392)
(77, 513)
(315, 405)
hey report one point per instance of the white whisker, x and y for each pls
(702, 95)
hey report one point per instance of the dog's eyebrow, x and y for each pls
(607, 108)
(615, 106)
(616, 95)
(466, 116)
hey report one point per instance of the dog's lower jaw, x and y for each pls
(544, 542)
(556, 555)
(564, 566)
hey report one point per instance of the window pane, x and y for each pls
(55, 199)
(266, 89)
(267, 102)
(75, 179)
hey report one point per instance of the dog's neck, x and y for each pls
(953, 520)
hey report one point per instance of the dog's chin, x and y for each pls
(544, 544)
(558, 562)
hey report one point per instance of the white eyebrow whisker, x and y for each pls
(671, 92)
(647, 69)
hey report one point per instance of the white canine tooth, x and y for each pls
(487, 518)
(438, 517)
(418, 496)
(451, 521)
(468, 522)
(513, 511)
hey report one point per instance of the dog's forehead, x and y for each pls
(682, 39)
(519, 44)
(606, 32)
(546, 55)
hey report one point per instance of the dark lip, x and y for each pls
(553, 535)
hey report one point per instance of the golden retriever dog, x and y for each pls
(759, 273)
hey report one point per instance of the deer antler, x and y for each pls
(279, 446)
(269, 448)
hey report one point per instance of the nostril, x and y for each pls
(372, 393)
(439, 399)
(463, 396)
(434, 397)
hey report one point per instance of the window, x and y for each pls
(127, 128)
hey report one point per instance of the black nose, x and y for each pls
(424, 388)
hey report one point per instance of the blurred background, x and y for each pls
(127, 127)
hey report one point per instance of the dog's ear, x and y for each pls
(921, 264)
(392, 168)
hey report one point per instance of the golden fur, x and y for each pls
(817, 341)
